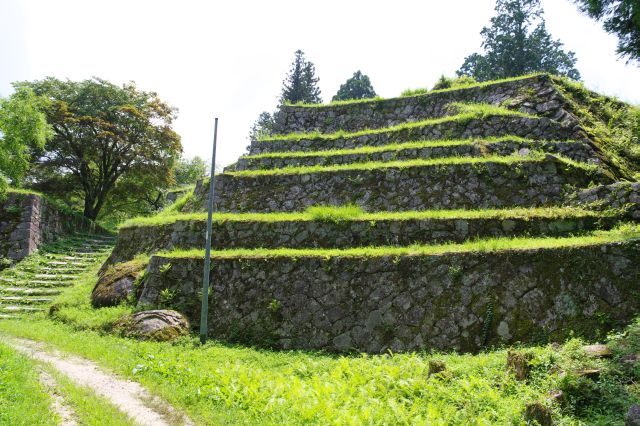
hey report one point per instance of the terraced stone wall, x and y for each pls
(536, 95)
(28, 220)
(617, 195)
(452, 301)
(186, 234)
(527, 183)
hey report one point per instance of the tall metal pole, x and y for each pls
(204, 312)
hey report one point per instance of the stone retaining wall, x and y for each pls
(490, 126)
(526, 183)
(578, 151)
(188, 234)
(536, 95)
(452, 301)
(28, 221)
(618, 195)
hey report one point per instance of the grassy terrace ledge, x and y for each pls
(436, 143)
(446, 161)
(622, 233)
(465, 112)
(355, 213)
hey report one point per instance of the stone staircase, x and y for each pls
(407, 224)
(31, 285)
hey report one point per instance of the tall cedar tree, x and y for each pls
(300, 85)
(517, 43)
(619, 17)
(357, 87)
(105, 136)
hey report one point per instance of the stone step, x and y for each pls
(578, 151)
(29, 291)
(24, 300)
(488, 126)
(402, 229)
(7, 317)
(395, 187)
(20, 309)
(64, 263)
(55, 277)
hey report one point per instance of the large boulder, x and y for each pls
(159, 325)
(116, 283)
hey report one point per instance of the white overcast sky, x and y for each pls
(228, 59)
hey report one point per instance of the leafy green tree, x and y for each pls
(619, 17)
(188, 172)
(104, 136)
(357, 87)
(301, 83)
(517, 43)
(23, 126)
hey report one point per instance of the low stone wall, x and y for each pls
(526, 183)
(453, 301)
(534, 95)
(496, 125)
(188, 234)
(618, 195)
(578, 151)
(28, 221)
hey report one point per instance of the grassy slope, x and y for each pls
(622, 233)
(23, 401)
(355, 213)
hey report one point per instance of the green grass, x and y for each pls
(355, 213)
(465, 112)
(363, 150)
(622, 233)
(91, 409)
(223, 384)
(418, 92)
(534, 156)
(23, 401)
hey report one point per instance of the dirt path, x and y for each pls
(58, 404)
(129, 397)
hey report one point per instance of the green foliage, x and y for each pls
(357, 87)
(222, 384)
(454, 83)
(262, 127)
(414, 92)
(23, 401)
(109, 142)
(517, 43)
(614, 125)
(23, 127)
(188, 172)
(621, 18)
(301, 83)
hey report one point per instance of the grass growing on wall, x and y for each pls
(356, 213)
(370, 149)
(534, 156)
(621, 233)
(465, 112)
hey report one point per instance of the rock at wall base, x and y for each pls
(157, 325)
